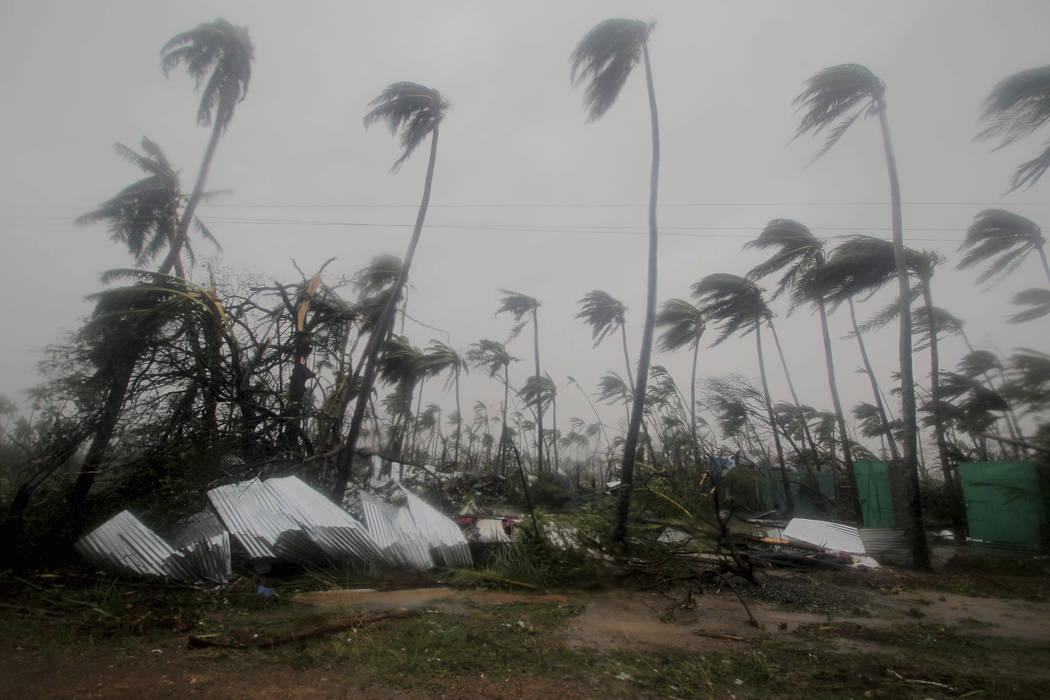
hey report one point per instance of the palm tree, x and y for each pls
(1016, 108)
(834, 99)
(440, 358)
(685, 327)
(415, 112)
(144, 215)
(1003, 240)
(543, 393)
(862, 265)
(796, 253)
(525, 308)
(604, 314)
(222, 53)
(736, 304)
(401, 365)
(493, 356)
(603, 59)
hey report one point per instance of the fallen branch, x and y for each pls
(719, 635)
(750, 618)
(199, 641)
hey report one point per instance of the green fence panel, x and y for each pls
(1005, 503)
(874, 494)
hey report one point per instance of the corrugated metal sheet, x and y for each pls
(446, 540)
(394, 531)
(205, 543)
(833, 536)
(342, 538)
(886, 544)
(124, 544)
(255, 518)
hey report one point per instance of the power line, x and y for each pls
(562, 205)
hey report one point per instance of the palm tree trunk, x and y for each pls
(1046, 266)
(195, 198)
(459, 417)
(833, 387)
(951, 481)
(539, 393)
(414, 423)
(107, 423)
(694, 440)
(554, 430)
(788, 500)
(914, 530)
(623, 504)
(876, 391)
(383, 327)
(503, 429)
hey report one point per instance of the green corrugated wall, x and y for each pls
(1005, 503)
(873, 491)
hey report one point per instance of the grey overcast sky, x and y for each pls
(527, 196)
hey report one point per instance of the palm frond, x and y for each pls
(221, 49)
(604, 58)
(411, 109)
(836, 97)
(684, 323)
(731, 301)
(491, 355)
(795, 248)
(379, 274)
(859, 267)
(1018, 106)
(979, 362)
(1000, 238)
(602, 313)
(520, 306)
(1037, 299)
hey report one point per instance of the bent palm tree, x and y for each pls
(862, 265)
(797, 252)
(834, 99)
(736, 304)
(440, 358)
(1018, 107)
(685, 327)
(494, 357)
(415, 112)
(222, 53)
(525, 308)
(604, 315)
(1003, 240)
(603, 59)
(144, 215)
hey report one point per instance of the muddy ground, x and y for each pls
(969, 630)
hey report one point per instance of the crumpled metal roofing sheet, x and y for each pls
(257, 521)
(396, 534)
(336, 532)
(283, 518)
(123, 543)
(205, 543)
(444, 536)
(833, 536)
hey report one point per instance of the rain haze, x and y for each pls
(527, 196)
